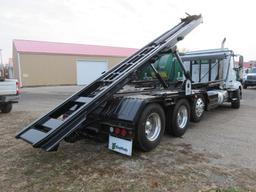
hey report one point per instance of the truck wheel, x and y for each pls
(180, 118)
(198, 108)
(236, 104)
(6, 108)
(245, 86)
(151, 127)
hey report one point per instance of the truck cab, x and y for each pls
(9, 91)
(9, 94)
(249, 78)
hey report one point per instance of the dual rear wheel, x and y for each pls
(153, 121)
(151, 126)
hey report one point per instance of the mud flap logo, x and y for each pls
(115, 146)
(120, 145)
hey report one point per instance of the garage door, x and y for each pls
(88, 71)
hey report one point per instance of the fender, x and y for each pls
(126, 109)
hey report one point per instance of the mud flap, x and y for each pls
(120, 145)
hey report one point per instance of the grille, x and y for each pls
(251, 77)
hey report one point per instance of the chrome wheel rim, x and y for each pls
(199, 108)
(182, 116)
(153, 126)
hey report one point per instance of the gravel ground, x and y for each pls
(217, 154)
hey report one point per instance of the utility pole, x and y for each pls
(2, 74)
(1, 57)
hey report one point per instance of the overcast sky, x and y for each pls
(128, 23)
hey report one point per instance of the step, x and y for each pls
(52, 123)
(107, 81)
(83, 99)
(33, 136)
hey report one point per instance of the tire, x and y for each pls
(177, 128)
(6, 108)
(197, 109)
(245, 86)
(236, 104)
(151, 126)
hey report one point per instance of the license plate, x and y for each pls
(120, 145)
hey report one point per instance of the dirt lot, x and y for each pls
(217, 154)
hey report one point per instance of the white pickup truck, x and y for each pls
(9, 94)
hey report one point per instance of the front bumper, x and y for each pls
(250, 82)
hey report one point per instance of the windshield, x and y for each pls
(253, 70)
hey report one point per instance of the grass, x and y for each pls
(229, 189)
(89, 166)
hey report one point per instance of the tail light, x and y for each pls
(117, 131)
(123, 132)
(17, 88)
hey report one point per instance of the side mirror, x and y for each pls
(241, 61)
